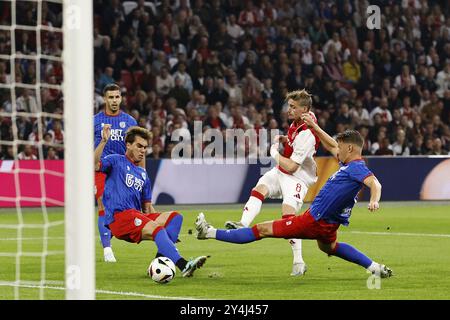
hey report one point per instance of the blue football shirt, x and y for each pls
(336, 199)
(119, 126)
(127, 185)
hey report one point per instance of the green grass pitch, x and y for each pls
(411, 238)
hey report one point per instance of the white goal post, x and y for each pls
(79, 156)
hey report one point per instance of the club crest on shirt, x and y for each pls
(137, 222)
(122, 124)
(143, 175)
(128, 168)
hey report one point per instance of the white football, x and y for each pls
(161, 270)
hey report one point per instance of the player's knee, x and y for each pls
(176, 216)
(173, 216)
(264, 230)
(262, 189)
(291, 207)
(149, 229)
(328, 248)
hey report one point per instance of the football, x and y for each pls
(161, 270)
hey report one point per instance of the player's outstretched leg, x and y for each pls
(168, 249)
(351, 254)
(207, 231)
(251, 209)
(105, 237)
(298, 264)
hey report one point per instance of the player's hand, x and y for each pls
(106, 132)
(274, 151)
(308, 119)
(280, 138)
(373, 206)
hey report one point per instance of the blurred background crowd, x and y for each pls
(230, 63)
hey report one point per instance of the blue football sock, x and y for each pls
(349, 253)
(104, 232)
(173, 230)
(166, 246)
(243, 235)
(174, 227)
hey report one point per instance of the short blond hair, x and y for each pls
(301, 96)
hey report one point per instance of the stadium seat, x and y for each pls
(127, 79)
(138, 76)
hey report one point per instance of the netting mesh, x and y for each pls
(31, 120)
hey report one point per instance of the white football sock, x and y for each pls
(107, 250)
(296, 245)
(374, 267)
(251, 210)
(211, 233)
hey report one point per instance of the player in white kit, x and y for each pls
(295, 172)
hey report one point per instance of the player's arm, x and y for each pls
(106, 133)
(327, 141)
(375, 192)
(147, 207)
(286, 163)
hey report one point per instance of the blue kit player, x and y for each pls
(129, 212)
(331, 208)
(119, 122)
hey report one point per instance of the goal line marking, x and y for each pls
(118, 293)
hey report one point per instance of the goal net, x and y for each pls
(46, 150)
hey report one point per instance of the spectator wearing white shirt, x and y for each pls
(164, 82)
(233, 29)
(186, 79)
(383, 110)
(400, 146)
(401, 79)
(26, 153)
(334, 41)
(234, 90)
(443, 80)
(359, 114)
(26, 102)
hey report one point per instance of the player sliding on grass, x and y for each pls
(295, 172)
(331, 207)
(129, 213)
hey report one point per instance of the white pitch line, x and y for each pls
(436, 235)
(136, 294)
(118, 293)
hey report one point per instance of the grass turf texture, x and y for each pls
(397, 236)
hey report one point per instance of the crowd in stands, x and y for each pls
(25, 99)
(230, 63)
